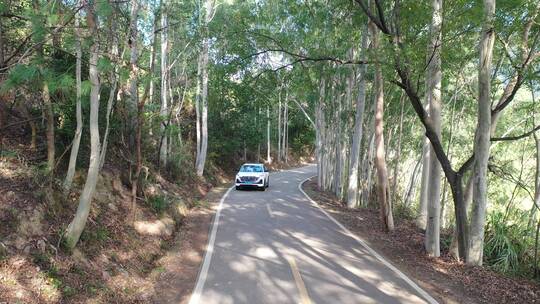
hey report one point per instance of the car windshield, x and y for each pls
(251, 168)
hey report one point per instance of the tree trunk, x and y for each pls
(50, 126)
(268, 157)
(338, 146)
(279, 128)
(113, 90)
(536, 203)
(454, 250)
(201, 158)
(398, 156)
(198, 109)
(48, 113)
(78, 223)
(482, 139)
(164, 109)
(421, 218)
(1, 45)
(24, 109)
(380, 162)
(412, 184)
(285, 127)
(434, 77)
(78, 131)
(133, 78)
(319, 132)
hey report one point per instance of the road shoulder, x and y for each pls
(183, 260)
(446, 280)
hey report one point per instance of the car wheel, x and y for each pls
(268, 183)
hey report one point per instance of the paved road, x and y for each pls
(276, 247)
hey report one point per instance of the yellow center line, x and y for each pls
(269, 210)
(304, 296)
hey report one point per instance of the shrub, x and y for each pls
(158, 203)
(507, 242)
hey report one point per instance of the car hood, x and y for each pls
(257, 174)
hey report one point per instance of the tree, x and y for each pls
(482, 138)
(380, 161)
(202, 143)
(433, 80)
(75, 228)
(352, 190)
(164, 110)
(78, 131)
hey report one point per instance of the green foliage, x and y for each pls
(104, 65)
(507, 242)
(95, 237)
(19, 75)
(104, 9)
(180, 163)
(402, 211)
(158, 203)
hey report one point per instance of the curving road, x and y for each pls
(278, 247)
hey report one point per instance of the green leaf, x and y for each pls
(104, 8)
(3, 7)
(85, 87)
(52, 19)
(104, 65)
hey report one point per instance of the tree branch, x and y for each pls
(303, 58)
(509, 138)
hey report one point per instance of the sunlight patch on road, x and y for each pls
(264, 253)
(243, 266)
(269, 210)
(246, 237)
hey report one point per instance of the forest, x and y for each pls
(422, 110)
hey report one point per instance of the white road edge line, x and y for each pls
(400, 274)
(269, 210)
(201, 279)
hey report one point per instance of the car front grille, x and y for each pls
(248, 178)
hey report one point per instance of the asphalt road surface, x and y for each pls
(277, 246)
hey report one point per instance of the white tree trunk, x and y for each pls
(398, 153)
(198, 108)
(367, 166)
(279, 128)
(268, 157)
(434, 77)
(338, 146)
(133, 82)
(78, 131)
(380, 162)
(319, 132)
(201, 157)
(164, 109)
(352, 189)
(78, 223)
(285, 128)
(482, 138)
(151, 71)
(412, 184)
(112, 93)
(536, 202)
(421, 218)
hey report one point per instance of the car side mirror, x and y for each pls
(266, 170)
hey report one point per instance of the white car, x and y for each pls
(252, 176)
